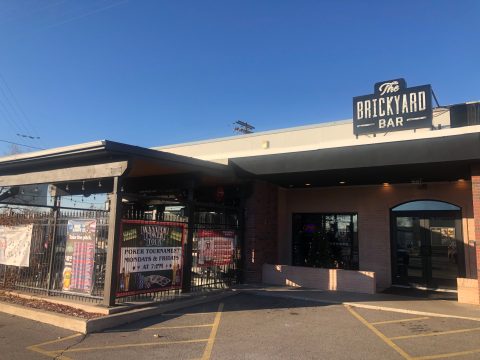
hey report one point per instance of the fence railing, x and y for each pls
(216, 253)
(45, 273)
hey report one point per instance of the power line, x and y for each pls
(18, 108)
(28, 146)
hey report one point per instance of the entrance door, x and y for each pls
(427, 247)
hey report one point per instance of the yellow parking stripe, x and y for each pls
(182, 314)
(162, 328)
(178, 327)
(399, 321)
(122, 346)
(379, 334)
(435, 333)
(56, 340)
(52, 354)
(448, 355)
(213, 334)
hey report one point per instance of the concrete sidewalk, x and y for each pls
(386, 302)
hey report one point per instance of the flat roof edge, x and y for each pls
(261, 133)
(89, 146)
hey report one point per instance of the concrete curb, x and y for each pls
(46, 317)
(358, 305)
(86, 326)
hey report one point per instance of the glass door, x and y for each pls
(443, 251)
(410, 250)
(427, 248)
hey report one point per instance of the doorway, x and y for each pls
(427, 244)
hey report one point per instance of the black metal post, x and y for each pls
(115, 218)
(53, 234)
(188, 248)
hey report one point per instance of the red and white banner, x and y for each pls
(215, 247)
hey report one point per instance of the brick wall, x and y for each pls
(373, 204)
(476, 212)
(260, 229)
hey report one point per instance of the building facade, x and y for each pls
(398, 207)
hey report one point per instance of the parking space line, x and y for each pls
(51, 354)
(56, 340)
(435, 333)
(178, 327)
(122, 346)
(188, 314)
(379, 334)
(399, 321)
(162, 328)
(213, 334)
(447, 355)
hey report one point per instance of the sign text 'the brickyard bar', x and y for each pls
(392, 107)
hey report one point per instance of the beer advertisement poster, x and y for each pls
(79, 256)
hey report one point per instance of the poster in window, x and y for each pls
(215, 247)
(79, 256)
(15, 244)
(151, 254)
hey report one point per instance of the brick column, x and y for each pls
(476, 214)
(260, 230)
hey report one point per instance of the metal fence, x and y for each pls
(216, 251)
(47, 251)
(214, 227)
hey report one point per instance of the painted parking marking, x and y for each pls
(448, 355)
(435, 333)
(210, 341)
(52, 354)
(213, 334)
(123, 346)
(385, 339)
(398, 321)
(163, 328)
(390, 340)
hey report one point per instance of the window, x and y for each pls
(325, 240)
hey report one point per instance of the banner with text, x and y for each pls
(150, 256)
(15, 245)
(215, 247)
(79, 256)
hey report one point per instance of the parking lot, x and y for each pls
(247, 326)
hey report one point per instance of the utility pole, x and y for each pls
(242, 127)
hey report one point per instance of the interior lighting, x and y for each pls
(342, 182)
(307, 184)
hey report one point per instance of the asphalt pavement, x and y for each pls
(249, 326)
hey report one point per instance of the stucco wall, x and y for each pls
(373, 204)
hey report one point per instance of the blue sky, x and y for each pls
(154, 72)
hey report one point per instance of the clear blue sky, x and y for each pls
(160, 72)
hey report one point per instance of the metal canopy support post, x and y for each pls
(113, 243)
(188, 248)
(55, 211)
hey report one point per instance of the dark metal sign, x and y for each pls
(392, 107)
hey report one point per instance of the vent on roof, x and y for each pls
(465, 115)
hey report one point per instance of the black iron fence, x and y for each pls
(216, 251)
(55, 259)
(45, 272)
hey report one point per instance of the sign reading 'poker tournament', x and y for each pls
(392, 107)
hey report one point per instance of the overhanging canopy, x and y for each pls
(433, 159)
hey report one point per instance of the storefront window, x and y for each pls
(325, 240)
